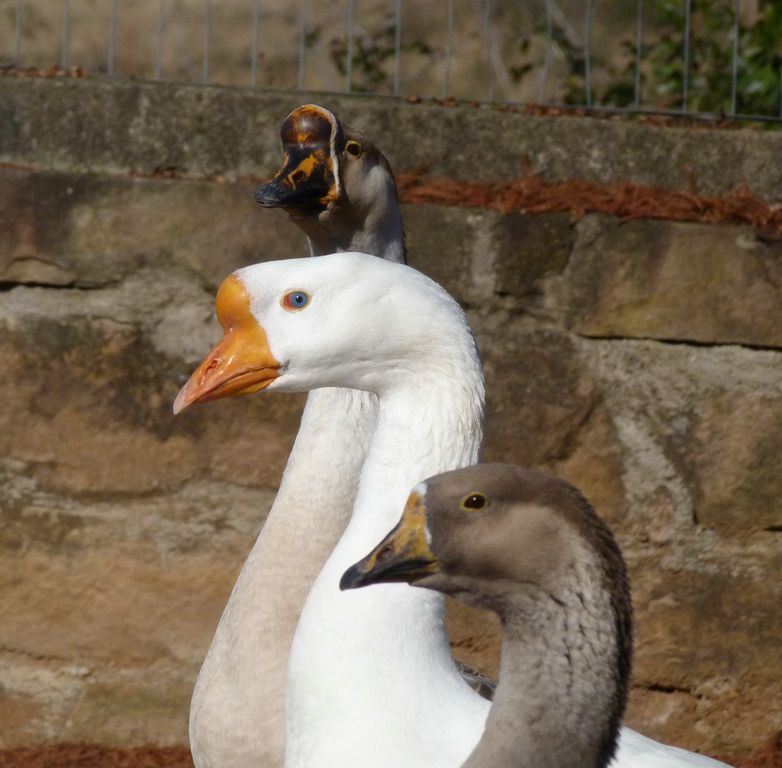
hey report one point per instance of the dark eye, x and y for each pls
(474, 501)
(295, 300)
(353, 148)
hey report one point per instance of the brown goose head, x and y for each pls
(336, 185)
(488, 532)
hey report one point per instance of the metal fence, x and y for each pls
(682, 57)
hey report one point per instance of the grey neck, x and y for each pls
(559, 699)
(345, 228)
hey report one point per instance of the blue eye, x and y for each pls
(295, 300)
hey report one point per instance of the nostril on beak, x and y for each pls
(298, 177)
(384, 552)
(213, 363)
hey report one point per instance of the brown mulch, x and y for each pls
(670, 120)
(665, 117)
(26, 72)
(94, 756)
(626, 200)
(768, 756)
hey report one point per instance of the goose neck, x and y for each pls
(421, 430)
(375, 228)
(558, 701)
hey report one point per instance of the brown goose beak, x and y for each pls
(309, 177)
(241, 362)
(404, 555)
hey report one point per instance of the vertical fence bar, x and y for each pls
(448, 50)
(18, 33)
(398, 48)
(547, 57)
(302, 39)
(66, 34)
(487, 20)
(207, 36)
(112, 39)
(161, 10)
(254, 50)
(735, 62)
(686, 62)
(639, 32)
(349, 63)
(587, 52)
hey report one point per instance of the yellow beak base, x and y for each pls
(404, 555)
(240, 363)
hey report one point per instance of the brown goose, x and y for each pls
(531, 548)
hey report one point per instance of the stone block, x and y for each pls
(698, 430)
(707, 654)
(90, 380)
(85, 230)
(456, 247)
(546, 408)
(530, 247)
(672, 281)
(733, 454)
(114, 602)
(117, 125)
(480, 255)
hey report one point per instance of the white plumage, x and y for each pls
(371, 678)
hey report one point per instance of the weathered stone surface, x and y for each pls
(71, 229)
(482, 255)
(547, 409)
(475, 637)
(113, 604)
(123, 528)
(530, 248)
(733, 456)
(115, 125)
(708, 665)
(697, 427)
(454, 246)
(668, 280)
(91, 376)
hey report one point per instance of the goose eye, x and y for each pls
(353, 148)
(473, 501)
(295, 300)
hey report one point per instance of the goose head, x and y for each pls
(495, 536)
(342, 320)
(336, 186)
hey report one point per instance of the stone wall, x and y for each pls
(642, 360)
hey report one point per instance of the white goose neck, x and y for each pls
(370, 664)
(423, 428)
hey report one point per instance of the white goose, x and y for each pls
(372, 680)
(352, 320)
(339, 189)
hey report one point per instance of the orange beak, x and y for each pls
(241, 363)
